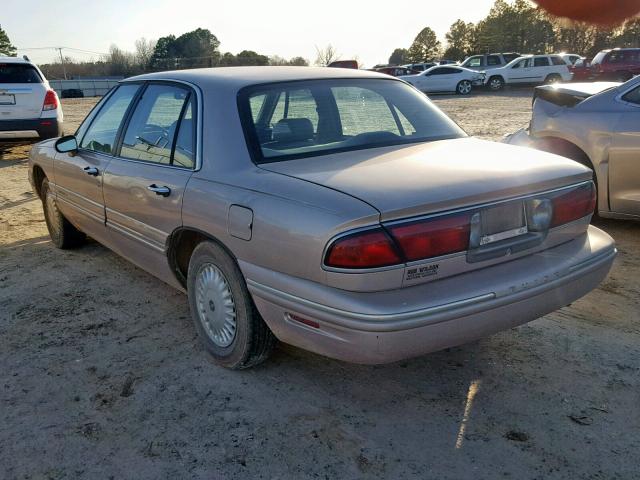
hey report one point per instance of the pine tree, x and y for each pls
(5, 45)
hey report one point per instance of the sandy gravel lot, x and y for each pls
(101, 375)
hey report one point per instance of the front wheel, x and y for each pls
(464, 87)
(225, 317)
(496, 83)
(62, 233)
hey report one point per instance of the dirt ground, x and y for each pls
(101, 374)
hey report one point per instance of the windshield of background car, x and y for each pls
(284, 121)
(597, 60)
(18, 73)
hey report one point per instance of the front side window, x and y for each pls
(101, 134)
(325, 116)
(152, 130)
(524, 63)
(473, 62)
(18, 73)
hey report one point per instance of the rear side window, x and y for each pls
(101, 135)
(18, 73)
(541, 62)
(153, 128)
(633, 96)
(558, 61)
(493, 60)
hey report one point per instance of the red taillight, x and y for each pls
(368, 249)
(432, 238)
(573, 205)
(50, 101)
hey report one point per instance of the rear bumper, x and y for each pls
(383, 327)
(42, 128)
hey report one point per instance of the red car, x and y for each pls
(618, 64)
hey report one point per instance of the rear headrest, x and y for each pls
(293, 130)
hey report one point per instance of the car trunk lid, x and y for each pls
(426, 178)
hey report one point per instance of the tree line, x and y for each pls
(517, 27)
(196, 49)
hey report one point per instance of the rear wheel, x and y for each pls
(496, 83)
(225, 317)
(62, 233)
(464, 87)
(553, 78)
(622, 76)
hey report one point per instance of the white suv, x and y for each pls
(531, 69)
(29, 107)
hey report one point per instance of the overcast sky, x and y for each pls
(368, 29)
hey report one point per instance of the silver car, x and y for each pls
(338, 211)
(598, 125)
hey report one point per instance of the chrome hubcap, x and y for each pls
(216, 307)
(465, 87)
(495, 84)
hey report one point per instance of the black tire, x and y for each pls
(622, 77)
(252, 342)
(63, 234)
(496, 83)
(464, 87)
(553, 78)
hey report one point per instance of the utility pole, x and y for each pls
(64, 69)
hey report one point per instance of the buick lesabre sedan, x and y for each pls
(336, 210)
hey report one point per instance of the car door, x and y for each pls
(541, 69)
(624, 156)
(144, 184)
(79, 175)
(433, 80)
(520, 72)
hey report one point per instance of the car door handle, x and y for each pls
(93, 171)
(162, 191)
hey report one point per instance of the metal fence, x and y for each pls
(89, 88)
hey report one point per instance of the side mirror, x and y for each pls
(67, 144)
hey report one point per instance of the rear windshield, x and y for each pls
(285, 121)
(18, 73)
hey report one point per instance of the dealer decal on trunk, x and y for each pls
(422, 272)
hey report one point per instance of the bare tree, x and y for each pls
(326, 55)
(144, 52)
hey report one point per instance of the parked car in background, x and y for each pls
(488, 61)
(341, 212)
(618, 64)
(446, 78)
(598, 125)
(420, 67)
(571, 58)
(29, 107)
(447, 62)
(581, 71)
(530, 69)
(396, 71)
(344, 64)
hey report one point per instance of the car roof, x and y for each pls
(236, 78)
(14, 60)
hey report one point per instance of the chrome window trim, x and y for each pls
(199, 122)
(428, 217)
